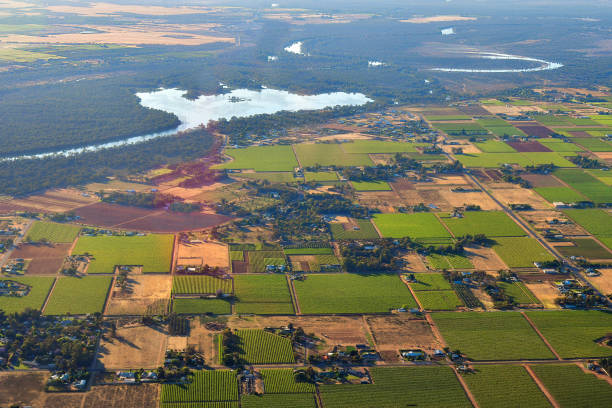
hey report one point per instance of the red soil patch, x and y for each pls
(535, 130)
(404, 184)
(541, 180)
(45, 259)
(494, 175)
(239, 267)
(528, 147)
(474, 110)
(580, 134)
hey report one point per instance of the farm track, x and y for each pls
(294, 298)
(42, 309)
(541, 386)
(174, 260)
(467, 391)
(535, 328)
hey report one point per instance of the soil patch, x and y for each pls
(485, 259)
(537, 131)
(44, 259)
(402, 332)
(528, 147)
(134, 346)
(546, 292)
(603, 282)
(25, 388)
(203, 253)
(59, 200)
(520, 196)
(541, 180)
(143, 294)
(123, 396)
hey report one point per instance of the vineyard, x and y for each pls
(203, 386)
(259, 259)
(200, 284)
(279, 401)
(439, 299)
(282, 381)
(261, 347)
(467, 296)
(227, 404)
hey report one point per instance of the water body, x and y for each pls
(543, 65)
(238, 103)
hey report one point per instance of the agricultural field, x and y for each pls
(519, 293)
(439, 299)
(595, 221)
(39, 289)
(52, 232)
(153, 252)
(258, 260)
(574, 333)
(271, 176)
(490, 223)
(308, 251)
(494, 160)
(371, 186)
(362, 230)
(521, 252)
(395, 387)
(279, 401)
(201, 306)
(142, 294)
(489, 385)
(415, 226)
(320, 176)
(352, 293)
(324, 154)
(78, 296)
(560, 194)
(557, 145)
(585, 247)
(203, 386)
(589, 186)
(282, 381)
(377, 146)
(262, 347)
(571, 387)
(278, 158)
(494, 146)
(491, 335)
(200, 285)
(430, 281)
(262, 294)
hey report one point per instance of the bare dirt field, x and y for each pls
(519, 195)
(458, 199)
(402, 332)
(485, 259)
(60, 200)
(467, 148)
(107, 9)
(603, 282)
(541, 180)
(383, 200)
(539, 220)
(122, 396)
(203, 253)
(201, 339)
(546, 292)
(474, 110)
(528, 146)
(414, 263)
(484, 298)
(345, 136)
(143, 292)
(135, 346)
(23, 388)
(45, 259)
(64, 400)
(604, 155)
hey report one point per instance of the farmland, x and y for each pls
(439, 300)
(595, 221)
(194, 285)
(278, 158)
(282, 381)
(152, 252)
(203, 386)
(489, 384)
(264, 294)
(364, 230)
(490, 223)
(586, 184)
(351, 293)
(328, 154)
(491, 336)
(52, 232)
(84, 295)
(39, 289)
(521, 252)
(279, 401)
(261, 347)
(518, 292)
(371, 186)
(430, 281)
(416, 226)
(562, 194)
(572, 387)
(201, 306)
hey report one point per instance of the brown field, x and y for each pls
(45, 259)
(603, 282)
(115, 216)
(458, 199)
(61, 200)
(474, 110)
(537, 131)
(122, 396)
(528, 147)
(604, 155)
(23, 388)
(64, 400)
(519, 195)
(484, 298)
(135, 346)
(511, 110)
(392, 333)
(345, 136)
(414, 263)
(202, 340)
(117, 185)
(576, 91)
(541, 180)
(436, 19)
(142, 293)
(485, 259)
(303, 261)
(205, 253)
(539, 220)
(546, 292)
(316, 18)
(107, 9)
(580, 134)
(383, 200)
(467, 148)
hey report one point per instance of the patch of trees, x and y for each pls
(587, 163)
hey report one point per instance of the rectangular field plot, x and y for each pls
(279, 401)
(519, 292)
(271, 176)
(494, 146)
(262, 347)
(574, 333)
(262, 294)
(326, 154)
(430, 281)
(38, 289)
(153, 252)
(596, 221)
(586, 184)
(489, 385)
(399, 387)
(557, 145)
(320, 176)
(201, 306)
(351, 293)
(439, 299)
(52, 232)
(259, 260)
(200, 285)
(488, 160)
(356, 229)
(277, 158)
(371, 186)
(490, 223)
(282, 381)
(572, 387)
(418, 225)
(203, 386)
(521, 252)
(585, 247)
(491, 335)
(378, 146)
(562, 194)
(78, 296)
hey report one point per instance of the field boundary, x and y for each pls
(467, 391)
(541, 386)
(535, 328)
(42, 309)
(294, 298)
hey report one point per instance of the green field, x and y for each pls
(259, 260)
(371, 186)
(201, 306)
(52, 232)
(595, 221)
(417, 225)
(430, 281)
(320, 176)
(366, 231)
(279, 401)
(490, 386)
(200, 284)
(19, 55)
(262, 294)
(282, 381)
(588, 185)
(462, 130)
(78, 296)
(521, 252)
(489, 160)
(562, 194)
(39, 289)
(491, 335)
(594, 144)
(271, 176)
(585, 247)
(490, 223)
(518, 292)
(432, 387)
(309, 251)
(505, 131)
(277, 158)
(203, 386)
(378, 146)
(557, 145)
(327, 154)
(153, 252)
(573, 388)
(439, 299)
(494, 146)
(573, 333)
(351, 293)
(435, 118)
(261, 347)
(441, 262)
(605, 176)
